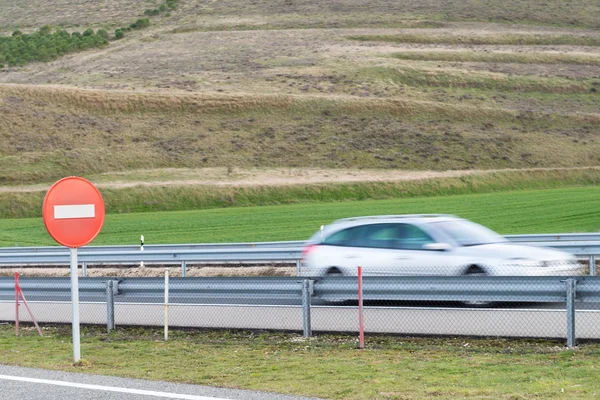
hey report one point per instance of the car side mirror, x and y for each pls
(437, 246)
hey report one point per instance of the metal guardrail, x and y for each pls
(159, 247)
(242, 252)
(555, 237)
(153, 256)
(544, 289)
(528, 239)
(540, 289)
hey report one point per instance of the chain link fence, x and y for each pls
(537, 302)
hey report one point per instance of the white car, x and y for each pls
(428, 244)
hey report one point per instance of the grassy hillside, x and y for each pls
(69, 14)
(283, 14)
(53, 132)
(432, 85)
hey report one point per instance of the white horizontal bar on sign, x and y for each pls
(75, 211)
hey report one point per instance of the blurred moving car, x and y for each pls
(426, 244)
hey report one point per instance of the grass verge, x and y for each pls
(519, 211)
(328, 366)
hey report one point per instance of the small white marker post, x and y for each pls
(166, 304)
(142, 249)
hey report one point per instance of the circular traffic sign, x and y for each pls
(73, 211)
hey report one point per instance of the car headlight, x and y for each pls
(526, 262)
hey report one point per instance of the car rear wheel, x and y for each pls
(334, 271)
(475, 270)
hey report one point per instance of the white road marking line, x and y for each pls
(75, 211)
(110, 388)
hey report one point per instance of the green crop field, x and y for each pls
(537, 211)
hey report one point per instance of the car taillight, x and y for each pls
(306, 251)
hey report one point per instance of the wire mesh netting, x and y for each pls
(512, 300)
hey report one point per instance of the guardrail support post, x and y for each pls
(298, 268)
(183, 269)
(571, 291)
(592, 265)
(83, 269)
(306, 295)
(110, 305)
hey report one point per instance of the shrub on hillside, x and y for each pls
(142, 23)
(169, 4)
(119, 34)
(43, 45)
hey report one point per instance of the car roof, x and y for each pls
(379, 219)
(396, 218)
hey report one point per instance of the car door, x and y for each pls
(418, 260)
(380, 254)
(371, 246)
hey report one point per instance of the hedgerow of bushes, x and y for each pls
(139, 24)
(43, 45)
(168, 5)
(144, 22)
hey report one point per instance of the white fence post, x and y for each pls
(166, 304)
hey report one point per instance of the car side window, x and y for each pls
(381, 236)
(373, 235)
(411, 237)
(340, 238)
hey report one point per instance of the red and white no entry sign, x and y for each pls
(73, 212)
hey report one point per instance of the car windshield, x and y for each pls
(467, 233)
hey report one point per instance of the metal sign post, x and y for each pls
(75, 306)
(73, 213)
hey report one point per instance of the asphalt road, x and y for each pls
(37, 384)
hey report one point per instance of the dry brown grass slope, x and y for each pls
(51, 131)
(280, 84)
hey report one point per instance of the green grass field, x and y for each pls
(535, 211)
(326, 366)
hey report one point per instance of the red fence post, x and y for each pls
(17, 290)
(361, 327)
